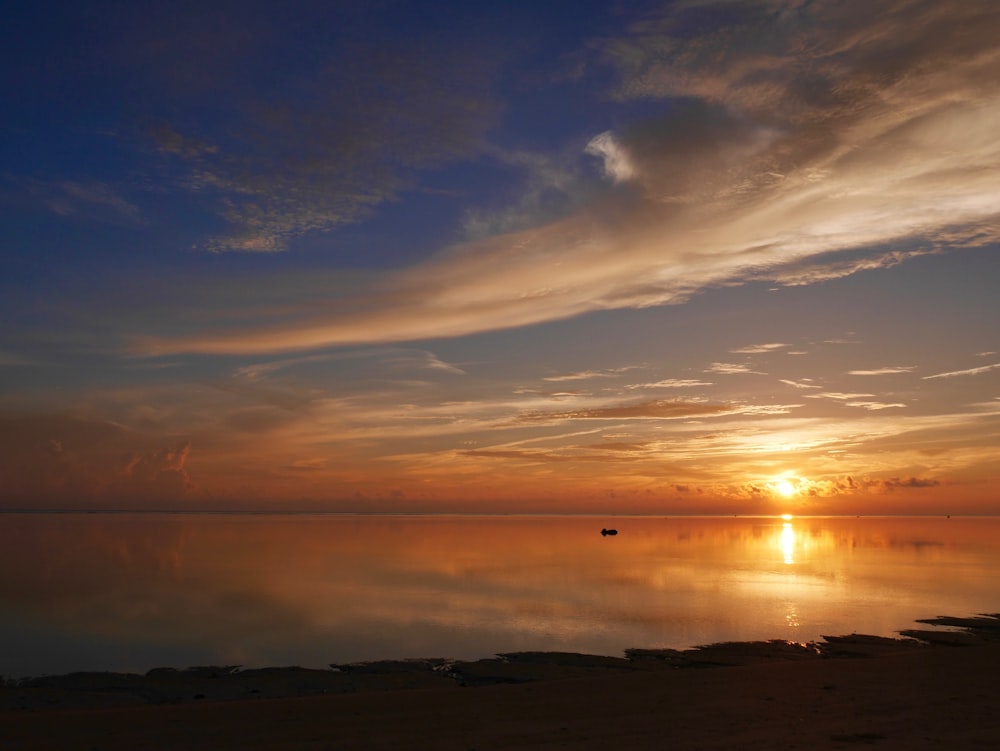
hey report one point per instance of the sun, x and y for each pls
(785, 488)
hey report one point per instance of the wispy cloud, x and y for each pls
(837, 396)
(334, 145)
(968, 372)
(93, 201)
(884, 371)
(549, 186)
(846, 136)
(585, 375)
(875, 406)
(815, 271)
(803, 384)
(732, 368)
(659, 409)
(670, 383)
(394, 359)
(753, 349)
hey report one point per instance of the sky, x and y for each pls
(694, 257)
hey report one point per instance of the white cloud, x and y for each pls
(588, 374)
(617, 164)
(884, 371)
(754, 349)
(730, 368)
(970, 371)
(670, 383)
(874, 406)
(837, 396)
(803, 384)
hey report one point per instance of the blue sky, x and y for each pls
(687, 257)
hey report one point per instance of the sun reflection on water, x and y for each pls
(787, 539)
(308, 589)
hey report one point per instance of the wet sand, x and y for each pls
(936, 691)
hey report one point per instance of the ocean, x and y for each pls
(129, 592)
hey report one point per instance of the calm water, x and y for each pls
(131, 592)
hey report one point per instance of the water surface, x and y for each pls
(130, 592)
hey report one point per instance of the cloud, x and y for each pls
(875, 406)
(731, 368)
(93, 201)
(803, 384)
(754, 349)
(550, 394)
(838, 396)
(970, 371)
(66, 461)
(548, 186)
(807, 272)
(326, 149)
(157, 475)
(912, 482)
(536, 457)
(585, 375)
(658, 409)
(617, 164)
(884, 371)
(789, 138)
(848, 485)
(670, 383)
(889, 485)
(391, 360)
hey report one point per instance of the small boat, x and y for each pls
(606, 532)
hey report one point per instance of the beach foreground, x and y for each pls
(933, 690)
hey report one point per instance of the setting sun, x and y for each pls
(786, 488)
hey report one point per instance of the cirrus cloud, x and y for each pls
(854, 131)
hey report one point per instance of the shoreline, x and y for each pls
(845, 690)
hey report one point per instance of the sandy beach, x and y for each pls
(931, 689)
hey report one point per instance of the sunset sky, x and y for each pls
(608, 257)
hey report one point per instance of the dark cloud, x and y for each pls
(67, 461)
(320, 141)
(912, 482)
(869, 484)
(159, 474)
(799, 62)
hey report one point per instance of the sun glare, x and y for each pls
(785, 488)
